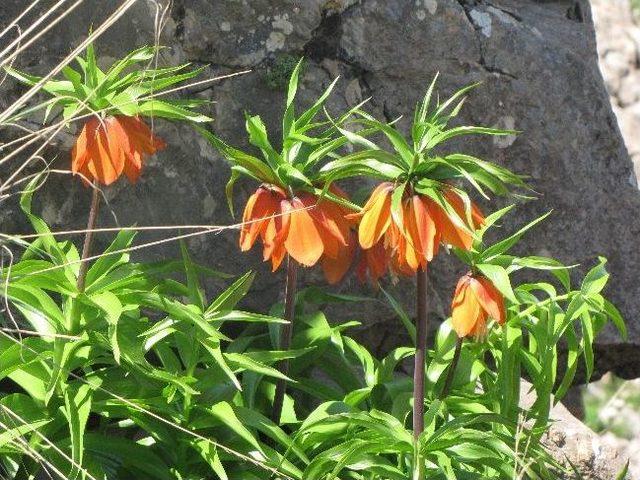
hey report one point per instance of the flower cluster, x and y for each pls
(410, 238)
(308, 228)
(108, 147)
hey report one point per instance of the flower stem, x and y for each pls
(452, 369)
(421, 352)
(285, 335)
(88, 239)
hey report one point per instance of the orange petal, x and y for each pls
(140, 135)
(277, 255)
(132, 156)
(426, 226)
(455, 234)
(303, 242)
(376, 219)
(79, 153)
(408, 247)
(465, 309)
(490, 298)
(260, 206)
(373, 261)
(333, 230)
(276, 233)
(115, 144)
(246, 238)
(335, 268)
(102, 166)
(331, 217)
(450, 233)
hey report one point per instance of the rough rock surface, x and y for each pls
(538, 64)
(618, 36)
(575, 446)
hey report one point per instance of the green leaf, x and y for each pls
(623, 473)
(397, 308)
(110, 304)
(239, 361)
(228, 299)
(258, 137)
(499, 278)
(310, 113)
(225, 414)
(241, 316)
(77, 407)
(596, 279)
(46, 239)
(228, 189)
(236, 157)
(111, 258)
(138, 55)
(209, 453)
(616, 317)
(196, 294)
(289, 113)
(167, 109)
(463, 131)
(213, 347)
(400, 145)
(505, 244)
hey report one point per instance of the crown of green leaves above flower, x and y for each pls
(416, 164)
(122, 89)
(306, 142)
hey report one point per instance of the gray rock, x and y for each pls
(618, 35)
(577, 447)
(538, 64)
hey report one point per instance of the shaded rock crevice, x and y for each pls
(475, 17)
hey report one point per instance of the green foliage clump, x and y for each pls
(277, 75)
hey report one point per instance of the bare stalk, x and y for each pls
(285, 335)
(88, 239)
(421, 352)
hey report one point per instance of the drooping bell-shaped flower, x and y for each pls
(476, 300)
(411, 234)
(308, 228)
(107, 148)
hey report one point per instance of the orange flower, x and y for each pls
(411, 236)
(309, 229)
(109, 147)
(373, 261)
(474, 301)
(453, 234)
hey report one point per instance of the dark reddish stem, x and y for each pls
(452, 369)
(285, 335)
(421, 352)
(88, 239)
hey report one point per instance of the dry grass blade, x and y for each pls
(14, 22)
(119, 12)
(4, 60)
(52, 445)
(22, 444)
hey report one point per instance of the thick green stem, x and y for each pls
(285, 335)
(421, 353)
(452, 369)
(88, 239)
